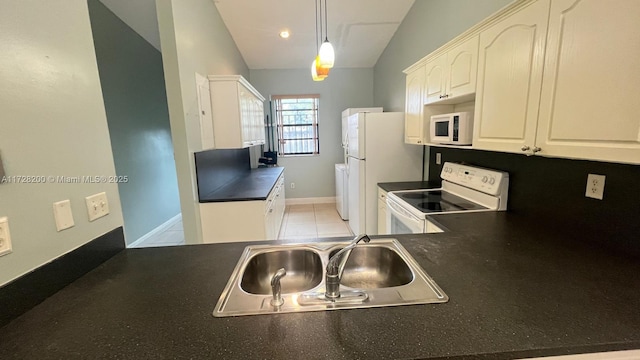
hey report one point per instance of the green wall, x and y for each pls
(52, 123)
(344, 88)
(135, 100)
(194, 40)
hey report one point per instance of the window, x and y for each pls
(297, 120)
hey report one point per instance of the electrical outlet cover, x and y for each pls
(595, 186)
(97, 206)
(5, 237)
(63, 215)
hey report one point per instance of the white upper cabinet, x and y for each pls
(462, 68)
(589, 107)
(511, 58)
(413, 123)
(237, 113)
(452, 74)
(434, 83)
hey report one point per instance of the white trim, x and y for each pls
(164, 226)
(314, 200)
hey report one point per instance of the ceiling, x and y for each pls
(140, 15)
(358, 29)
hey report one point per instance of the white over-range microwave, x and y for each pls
(452, 129)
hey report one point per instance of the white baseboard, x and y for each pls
(314, 200)
(164, 226)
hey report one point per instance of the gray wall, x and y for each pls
(428, 25)
(135, 100)
(344, 88)
(52, 123)
(194, 40)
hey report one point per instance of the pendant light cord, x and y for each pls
(320, 1)
(326, 24)
(317, 43)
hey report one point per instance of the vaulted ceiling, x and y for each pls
(358, 29)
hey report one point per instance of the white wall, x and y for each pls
(344, 88)
(428, 25)
(52, 122)
(194, 40)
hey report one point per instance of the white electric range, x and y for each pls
(464, 189)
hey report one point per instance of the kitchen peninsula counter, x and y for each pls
(254, 184)
(516, 288)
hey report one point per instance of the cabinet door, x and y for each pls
(382, 217)
(434, 84)
(259, 121)
(245, 115)
(511, 56)
(270, 224)
(413, 123)
(585, 111)
(462, 65)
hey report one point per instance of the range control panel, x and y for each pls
(485, 180)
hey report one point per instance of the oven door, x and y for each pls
(401, 221)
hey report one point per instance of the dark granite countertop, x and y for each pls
(254, 185)
(517, 289)
(408, 185)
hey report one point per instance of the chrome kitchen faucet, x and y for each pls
(335, 267)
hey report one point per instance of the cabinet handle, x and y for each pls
(536, 149)
(419, 141)
(525, 148)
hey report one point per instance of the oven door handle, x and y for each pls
(398, 210)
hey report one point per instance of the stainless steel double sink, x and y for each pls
(382, 270)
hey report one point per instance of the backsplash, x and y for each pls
(215, 168)
(553, 191)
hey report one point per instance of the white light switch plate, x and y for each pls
(595, 186)
(63, 215)
(5, 237)
(97, 206)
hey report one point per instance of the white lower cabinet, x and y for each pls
(235, 221)
(382, 212)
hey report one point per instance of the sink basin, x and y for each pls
(304, 271)
(371, 267)
(380, 273)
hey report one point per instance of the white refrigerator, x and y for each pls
(342, 178)
(376, 153)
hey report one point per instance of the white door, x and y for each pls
(204, 107)
(356, 129)
(356, 193)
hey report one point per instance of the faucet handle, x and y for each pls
(276, 288)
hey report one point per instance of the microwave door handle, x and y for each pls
(402, 212)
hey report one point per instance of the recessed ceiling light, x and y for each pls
(284, 34)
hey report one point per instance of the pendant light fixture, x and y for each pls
(326, 53)
(318, 73)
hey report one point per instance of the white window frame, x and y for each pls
(277, 101)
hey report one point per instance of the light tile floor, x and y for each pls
(172, 236)
(299, 222)
(312, 221)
